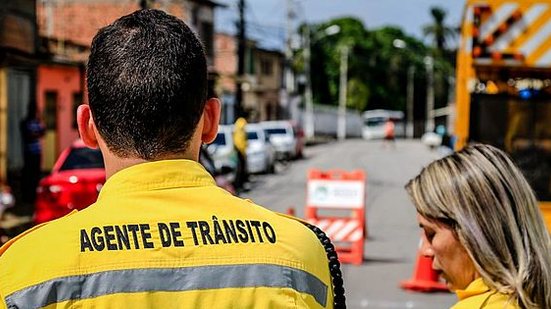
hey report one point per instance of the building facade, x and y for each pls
(66, 28)
(261, 84)
(18, 61)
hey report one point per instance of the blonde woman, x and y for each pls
(483, 230)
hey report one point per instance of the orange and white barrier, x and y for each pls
(337, 191)
(340, 229)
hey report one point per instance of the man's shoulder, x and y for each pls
(40, 237)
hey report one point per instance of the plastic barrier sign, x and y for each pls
(341, 190)
(336, 194)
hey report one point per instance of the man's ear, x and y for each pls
(211, 118)
(86, 126)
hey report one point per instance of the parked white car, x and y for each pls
(431, 139)
(260, 152)
(282, 137)
(223, 152)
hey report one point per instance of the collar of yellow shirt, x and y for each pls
(157, 175)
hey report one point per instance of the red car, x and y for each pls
(74, 183)
(78, 176)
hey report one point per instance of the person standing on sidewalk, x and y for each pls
(241, 142)
(161, 233)
(32, 130)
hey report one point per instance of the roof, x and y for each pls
(211, 3)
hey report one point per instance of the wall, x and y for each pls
(326, 121)
(66, 81)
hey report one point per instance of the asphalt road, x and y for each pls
(391, 248)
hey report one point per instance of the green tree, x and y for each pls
(377, 71)
(438, 30)
(441, 35)
(358, 94)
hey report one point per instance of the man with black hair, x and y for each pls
(161, 234)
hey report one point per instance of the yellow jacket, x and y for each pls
(240, 135)
(479, 295)
(163, 235)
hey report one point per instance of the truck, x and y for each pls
(503, 85)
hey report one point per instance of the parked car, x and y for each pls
(260, 152)
(7, 199)
(10, 226)
(74, 183)
(220, 175)
(282, 137)
(431, 139)
(223, 151)
(78, 176)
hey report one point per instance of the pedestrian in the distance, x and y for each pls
(240, 142)
(389, 133)
(161, 234)
(483, 229)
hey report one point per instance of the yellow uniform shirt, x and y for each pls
(479, 295)
(163, 235)
(240, 136)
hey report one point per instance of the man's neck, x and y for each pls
(114, 164)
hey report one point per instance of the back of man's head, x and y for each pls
(147, 84)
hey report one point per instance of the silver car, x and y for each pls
(282, 137)
(260, 152)
(223, 152)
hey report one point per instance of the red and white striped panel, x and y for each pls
(339, 229)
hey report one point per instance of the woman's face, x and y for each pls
(449, 257)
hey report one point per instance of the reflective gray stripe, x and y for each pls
(168, 279)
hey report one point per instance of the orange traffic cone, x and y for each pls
(291, 211)
(425, 279)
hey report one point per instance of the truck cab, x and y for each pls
(503, 88)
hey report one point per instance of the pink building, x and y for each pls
(59, 91)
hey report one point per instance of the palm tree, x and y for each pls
(440, 32)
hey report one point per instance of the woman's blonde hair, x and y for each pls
(486, 200)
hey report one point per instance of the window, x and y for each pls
(50, 110)
(83, 158)
(220, 139)
(252, 135)
(266, 67)
(276, 131)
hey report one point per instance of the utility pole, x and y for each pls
(410, 99)
(241, 45)
(343, 86)
(309, 126)
(429, 66)
(289, 79)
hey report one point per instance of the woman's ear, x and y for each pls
(211, 118)
(86, 126)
